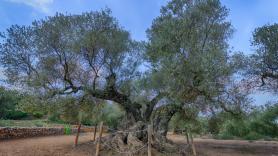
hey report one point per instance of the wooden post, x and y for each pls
(95, 133)
(78, 129)
(99, 138)
(149, 140)
(187, 137)
(192, 145)
(77, 135)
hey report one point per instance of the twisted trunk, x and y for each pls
(161, 119)
(135, 136)
(136, 124)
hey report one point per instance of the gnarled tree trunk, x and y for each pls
(135, 136)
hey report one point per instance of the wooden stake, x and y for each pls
(187, 137)
(77, 135)
(99, 138)
(95, 133)
(149, 140)
(193, 146)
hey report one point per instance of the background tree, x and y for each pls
(263, 65)
(33, 105)
(9, 99)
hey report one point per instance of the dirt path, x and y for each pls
(63, 146)
(212, 147)
(44, 146)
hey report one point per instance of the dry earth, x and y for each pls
(63, 145)
(212, 147)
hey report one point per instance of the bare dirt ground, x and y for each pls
(63, 146)
(212, 147)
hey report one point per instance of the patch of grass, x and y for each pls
(29, 123)
(224, 136)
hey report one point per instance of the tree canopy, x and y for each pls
(189, 53)
(68, 54)
(263, 64)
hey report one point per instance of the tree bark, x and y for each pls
(161, 119)
(137, 136)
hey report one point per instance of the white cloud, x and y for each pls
(40, 5)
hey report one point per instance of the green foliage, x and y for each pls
(188, 120)
(265, 121)
(112, 115)
(38, 114)
(188, 46)
(39, 124)
(16, 115)
(51, 50)
(9, 100)
(29, 123)
(88, 111)
(214, 124)
(253, 136)
(263, 64)
(265, 39)
(235, 127)
(67, 129)
(32, 105)
(55, 117)
(69, 110)
(259, 124)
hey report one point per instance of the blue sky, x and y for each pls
(137, 15)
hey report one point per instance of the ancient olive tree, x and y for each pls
(91, 55)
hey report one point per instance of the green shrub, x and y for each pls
(112, 116)
(54, 117)
(253, 136)
(16, 115)
(8, 101)
(214, 124)
(67, 130)
(267, 138)
(38, 114)
(235, 127)
(39, 124)
(87, 122)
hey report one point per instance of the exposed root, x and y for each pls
(130, 142)
(134, 142)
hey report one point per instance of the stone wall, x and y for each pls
(13, 133)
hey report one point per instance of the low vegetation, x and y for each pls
(260, 123)
(29, 123)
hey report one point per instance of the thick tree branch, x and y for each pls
(150, 105)
(267, 75)
(123, 100)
